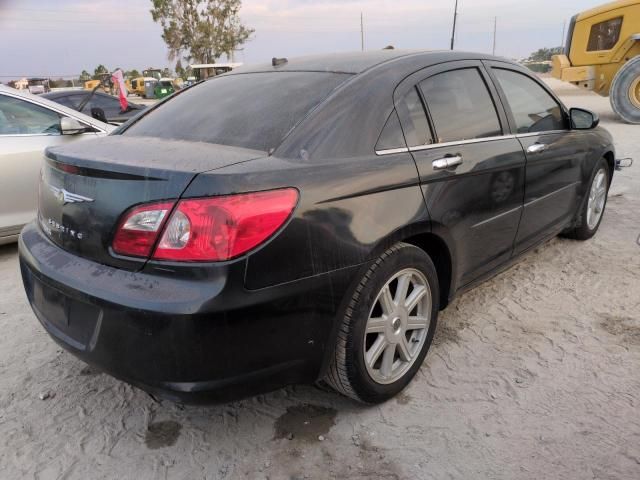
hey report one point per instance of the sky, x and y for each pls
(60, 38)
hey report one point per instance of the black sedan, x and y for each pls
(89, 101)
(309, 228)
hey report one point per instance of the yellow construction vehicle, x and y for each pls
(603, 54)
(103, 81)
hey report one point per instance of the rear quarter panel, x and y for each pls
(347, 208)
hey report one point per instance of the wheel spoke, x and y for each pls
(377, 325)
(415, 297)
(387, 360)
(403, 287)
(597, 199)
(417, 323)
(386, 301)
(376, 349)
(403, 350)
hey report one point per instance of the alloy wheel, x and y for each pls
(597, 198)
(397, 326)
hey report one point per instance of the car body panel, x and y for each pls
(325, 228)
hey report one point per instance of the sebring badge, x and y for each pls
(64, 197)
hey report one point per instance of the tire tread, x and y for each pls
(337, 376)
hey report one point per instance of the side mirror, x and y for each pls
(71, 126)
(582, 119)
(98, 114)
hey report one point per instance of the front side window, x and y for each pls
(460, 106)
(19, 117)
(604, 35)
(533, 109)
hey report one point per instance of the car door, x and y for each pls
(26, 129)
(471, 168)
(554, 154)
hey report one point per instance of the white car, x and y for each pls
(29, 124)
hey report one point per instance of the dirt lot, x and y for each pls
(535, 374)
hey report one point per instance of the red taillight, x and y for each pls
(137, 232)
(221, 228)
(205, 229)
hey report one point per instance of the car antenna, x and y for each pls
(276, 62)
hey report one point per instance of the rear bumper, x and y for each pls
(205, 338)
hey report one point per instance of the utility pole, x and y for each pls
(361, 32)
(564, 31)
(453, 30)
(495, 29)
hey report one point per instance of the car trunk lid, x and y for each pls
(85, 188)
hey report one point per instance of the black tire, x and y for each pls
(348, 372)
(620, 96)
(581, 230)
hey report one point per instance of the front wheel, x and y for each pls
(388, 326)
(592, 208)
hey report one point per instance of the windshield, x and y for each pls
(254, 110)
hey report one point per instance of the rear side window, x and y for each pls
(604, 35)
(533, 109)
(391, 136)
(414, 120)
(252, 110)
(460, 106)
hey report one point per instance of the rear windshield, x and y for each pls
(253, 110)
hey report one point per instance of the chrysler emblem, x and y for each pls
(64, 197)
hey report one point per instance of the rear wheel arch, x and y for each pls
(433, 244)
(440, 254)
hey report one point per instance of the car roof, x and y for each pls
(358, 62)
(45, 102)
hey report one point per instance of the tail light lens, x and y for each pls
(137, 233)
(211, 229)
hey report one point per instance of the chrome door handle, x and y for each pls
(447, 162)
(537, 148)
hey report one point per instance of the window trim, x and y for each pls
(508, 136)
(412, 81)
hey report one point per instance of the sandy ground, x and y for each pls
(535, 374)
